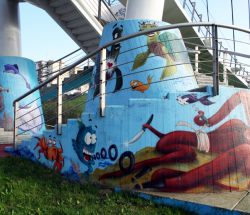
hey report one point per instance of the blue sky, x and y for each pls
(43, 39)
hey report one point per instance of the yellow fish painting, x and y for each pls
(139, 86)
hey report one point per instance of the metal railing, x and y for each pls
(205, 65)
(46, 69)
(190, 7)
(101, 10)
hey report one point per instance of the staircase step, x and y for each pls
(76, 23)
(64, 9)
(79, 30)
(57, 3)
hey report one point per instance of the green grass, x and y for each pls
(29, 188)
(72, 109)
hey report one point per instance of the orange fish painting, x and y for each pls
(139, 86)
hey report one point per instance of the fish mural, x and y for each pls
(192, 98)
(13, 69)
(84, 146)
(139, 86)
(157, 46)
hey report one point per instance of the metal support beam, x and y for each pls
(59, 105)
(215, 60)
(15, 130)
(196, 56)
(102, 82)
(99, 10)
(193, 11)
(184, 4)
(225, 76)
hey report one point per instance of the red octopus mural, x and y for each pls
(230, 142)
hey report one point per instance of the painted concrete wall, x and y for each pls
(17, 76)
(151, 66)
(201, 146)
(157, 136)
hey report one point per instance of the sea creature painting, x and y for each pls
(13, 69)
(29, 118)
(192, 98)
(84, 146)
(157, 46)
(139, 86)
(228, 143)
(51, 152)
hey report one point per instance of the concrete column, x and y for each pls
(145, 9)
(10, 28)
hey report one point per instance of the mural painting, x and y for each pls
(17, 77)
(192, 98)
(84, 146)
(164, 138)
(13, 69)
(182, 146)
(158, 46)
(50, 150)
(5, 120)
(139, 86)
(112, 67)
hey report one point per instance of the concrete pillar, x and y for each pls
(10, 28)
(145, 9)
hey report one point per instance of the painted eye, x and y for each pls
(88, 138)
(93, 139)
(116, 35)
(50, 141)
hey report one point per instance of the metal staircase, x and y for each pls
(82, 20)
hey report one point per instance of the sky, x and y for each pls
(43, 39)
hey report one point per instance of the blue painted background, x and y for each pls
(18, 80)
(83, 143)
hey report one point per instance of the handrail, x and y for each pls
(59, 59)
(108, 7)
(161, 28)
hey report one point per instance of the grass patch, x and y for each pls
(73, 109)
(29, 188)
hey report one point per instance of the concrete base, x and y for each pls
(203, 203)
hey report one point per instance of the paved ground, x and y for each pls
(207, 203)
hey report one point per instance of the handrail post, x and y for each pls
(193, 5)
(102, 82)
(99, 10)
(59, 105)
(15, 130)
(200, 19)
(184, 4)
(225, 76)
(215, 60)
(196, 56)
